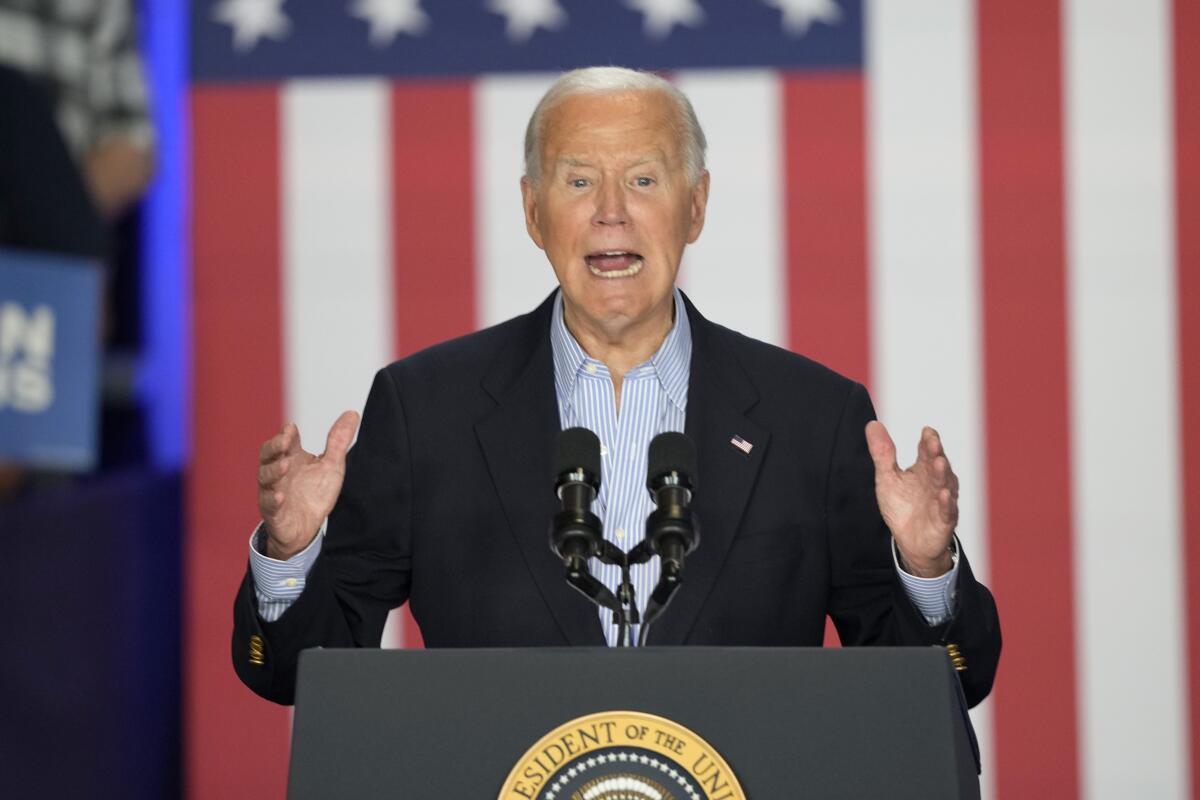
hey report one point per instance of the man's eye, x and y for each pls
(578, 183)
(643, 181)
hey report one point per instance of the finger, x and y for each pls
(941, 472)
(279, 444)
(291, 436)
(932, 454)
(930, 445)
(340, 437)
(948, 507)
(269, 474)
(271, 449)
(269, 502)
(951, 480)
(882, 448)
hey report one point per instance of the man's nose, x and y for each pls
(610, 205)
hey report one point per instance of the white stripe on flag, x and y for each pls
(1124, 399)
(735, 271)
(337, 264)
(514, 275)
(924, 253)
(336, 247)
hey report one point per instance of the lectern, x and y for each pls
(685, 722)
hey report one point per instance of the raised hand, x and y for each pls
(296, 489)
(919, 504)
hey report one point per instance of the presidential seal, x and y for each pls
(621, 755)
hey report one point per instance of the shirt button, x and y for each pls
(591, 369)
(603, 450)
(620, 534)
(291, 582)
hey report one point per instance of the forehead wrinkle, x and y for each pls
(641, 162)
(638, 161)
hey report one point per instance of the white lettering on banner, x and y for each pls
(26, 350)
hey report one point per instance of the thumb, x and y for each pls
(340, 436)
(883, 449)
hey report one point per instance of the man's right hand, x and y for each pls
(296, 489)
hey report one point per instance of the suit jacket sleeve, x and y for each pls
(364, 567)
(868, 602)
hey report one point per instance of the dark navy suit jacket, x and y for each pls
(449, 494)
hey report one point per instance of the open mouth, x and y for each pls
(614, 263)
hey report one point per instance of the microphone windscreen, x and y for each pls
(671, 452)
(577, 448)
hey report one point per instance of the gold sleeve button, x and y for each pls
(956, 658)
(257, 651)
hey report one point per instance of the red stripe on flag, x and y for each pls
(433, 213)
(826, 221)
(1027, 402)
(236, 744)
(433, 223)
(1186, 47)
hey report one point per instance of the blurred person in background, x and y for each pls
(83, 54)
(76, 154)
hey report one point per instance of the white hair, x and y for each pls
(608, 80)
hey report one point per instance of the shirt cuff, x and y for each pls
(277, 583)
(936, 598)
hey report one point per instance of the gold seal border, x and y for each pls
(730, 790)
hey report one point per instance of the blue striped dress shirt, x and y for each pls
(653, 401)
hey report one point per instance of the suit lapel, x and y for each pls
(719, 395)
(517, 439)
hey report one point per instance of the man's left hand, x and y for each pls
(918, 504)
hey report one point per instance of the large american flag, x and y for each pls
(987, 211)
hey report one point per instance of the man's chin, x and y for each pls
(618, 315)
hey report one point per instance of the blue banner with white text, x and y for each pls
(49, 360)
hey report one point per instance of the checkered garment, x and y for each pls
(84, 52)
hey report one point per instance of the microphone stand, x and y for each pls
(627, 597)
(664, 590)
(623, 604)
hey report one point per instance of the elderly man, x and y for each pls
(446, 498)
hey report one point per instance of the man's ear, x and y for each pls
(699, 207)
(529, 202)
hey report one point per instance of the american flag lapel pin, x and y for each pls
(741, 444)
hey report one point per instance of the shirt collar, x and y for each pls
(671, 364)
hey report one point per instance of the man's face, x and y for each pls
(613, 209)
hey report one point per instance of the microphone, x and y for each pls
(671, 530)
(575, 532)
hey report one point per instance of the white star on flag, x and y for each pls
(251, 20)
(799, 15)
(526, 16)
(388, 18)
(661, 16)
